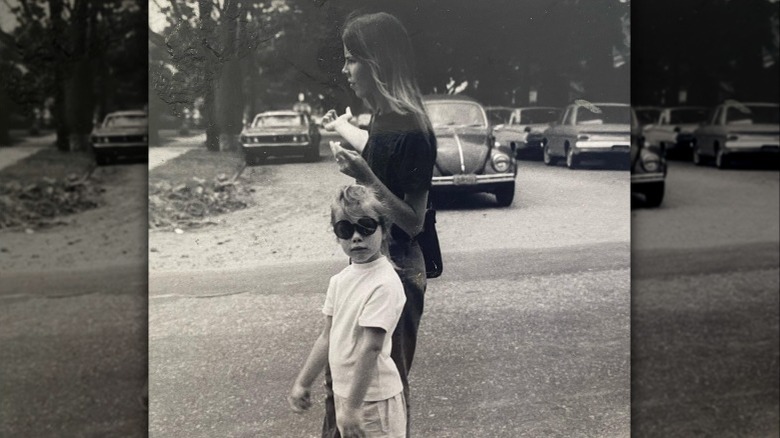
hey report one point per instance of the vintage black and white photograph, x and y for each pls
(73, 184)
(705, 219)
(305, 158)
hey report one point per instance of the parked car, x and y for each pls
(468, 157)
(498, 115)
(738, 129)
(646, 115)
(525, 129)
(589, 130)
(280, 134)
(122, 134)
(673, 131)
(648, 167)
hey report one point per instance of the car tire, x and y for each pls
(572, 161)
(546, 157)
(102, 159)
(505, 195)
(721, 159)
(696, 156)
(654, 194)
(313, 154)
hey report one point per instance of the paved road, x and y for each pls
(526, 334)
(74, 353)
(705, 306)
(506, 349)
(30, 145)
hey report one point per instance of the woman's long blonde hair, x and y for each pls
(382, 43)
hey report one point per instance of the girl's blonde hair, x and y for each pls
(382, 43)
(356, 201)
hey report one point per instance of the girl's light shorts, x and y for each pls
(384, 418)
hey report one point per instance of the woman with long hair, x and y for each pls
(395, 157)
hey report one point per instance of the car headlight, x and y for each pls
(501, 162)
(582, 137)
(650, 161)
(497, 144)
(294, 138)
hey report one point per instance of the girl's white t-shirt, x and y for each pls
(364, 295)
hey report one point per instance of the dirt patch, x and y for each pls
(289, 221)
(113, 234)
(182, 193)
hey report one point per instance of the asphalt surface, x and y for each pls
(73, 353)
(705, 306)
(526, 334)
(506, 349)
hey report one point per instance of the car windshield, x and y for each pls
(538, 116)
(125, 121)
(645, 116)
(279, 121)
(498, 116)
(687, 115)
(455, 114)
(753, 114)
(604, 115)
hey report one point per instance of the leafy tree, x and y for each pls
(77, 52)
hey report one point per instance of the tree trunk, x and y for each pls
(205, 8)
(228, 92)
(80, 100)
(60, 77)
(5, 137)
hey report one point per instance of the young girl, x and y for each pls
(395, 158)
(362, 307)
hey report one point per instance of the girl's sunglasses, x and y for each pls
(346, 229)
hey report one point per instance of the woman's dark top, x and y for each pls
(401, 155)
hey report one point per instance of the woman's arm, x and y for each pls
(368, 351)
(318, 358)
(352, 134)
(407, 213)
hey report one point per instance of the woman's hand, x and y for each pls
(351, 163)
(330, 120)
(299, 399)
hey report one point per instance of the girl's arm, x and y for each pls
(368, 351)
(408, 213)
(318, 357)
(352, 134)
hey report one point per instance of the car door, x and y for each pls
(555, 133)
(664, 132)
(711, 131)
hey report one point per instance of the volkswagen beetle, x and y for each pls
(468, 159)
(648, 167)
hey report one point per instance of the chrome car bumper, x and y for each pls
(119, 146)
(758, 146)
(602, 147)
(275, 146)
(468, 182)
(643, 178)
